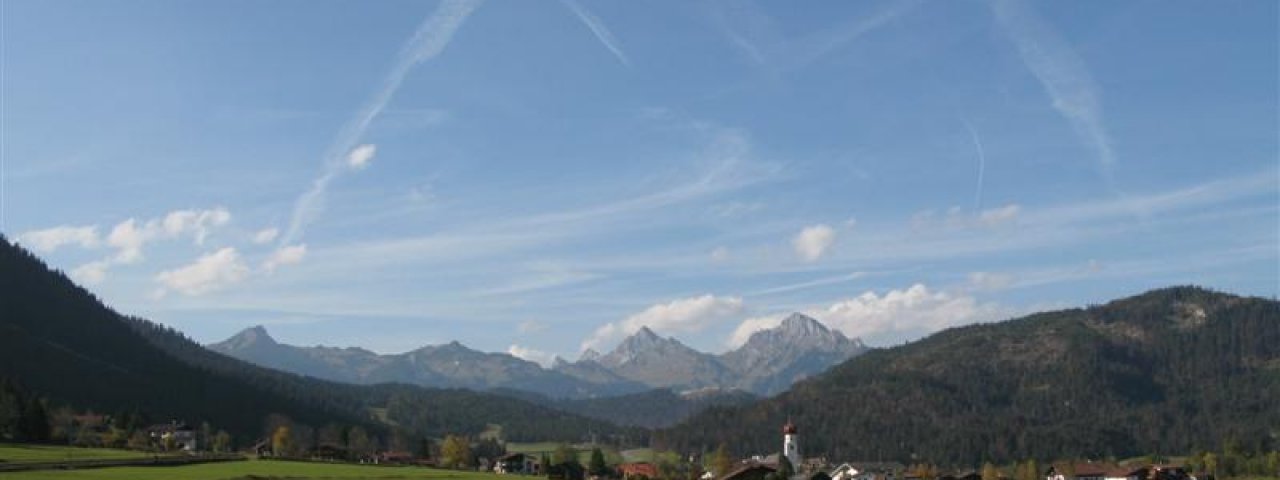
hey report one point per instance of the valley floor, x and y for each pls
(258, 469)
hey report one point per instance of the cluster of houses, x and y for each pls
(758, 468)
(767, 468)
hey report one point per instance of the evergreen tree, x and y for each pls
(35, 422)
(564, 455)
(597, 465)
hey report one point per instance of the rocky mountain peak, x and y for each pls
(589, 355)
(801, 324)
(253, 336)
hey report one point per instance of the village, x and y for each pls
(789, 464)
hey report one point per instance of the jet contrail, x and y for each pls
(598, 29)
(432, 36)
(1063, 74)
(982, 163)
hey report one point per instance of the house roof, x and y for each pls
(1121, 471)
(1085, 469)
(640, 468)
(747, 468)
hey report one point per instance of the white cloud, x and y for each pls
(208, 273)
(287, 255)
(51, 239)
(360, 156)
(129, 236)
(91, 273)
(684, 315)
(198, 223)
(266, 235)
(999, 216)
(536, 356)
(812, 242)
(914, 309)
(752, 325)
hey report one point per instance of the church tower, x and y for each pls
(791, 445)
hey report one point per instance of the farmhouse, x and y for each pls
(182, 436)
(517, 464)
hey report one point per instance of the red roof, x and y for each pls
(646, 469)
(789, 428)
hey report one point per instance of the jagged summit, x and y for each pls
(589, 355)
(250, 337)
(769, 362)
(772, 359)
(800, 323)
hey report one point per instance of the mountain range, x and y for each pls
(1171, 371)
(59, 342)
(769, 362)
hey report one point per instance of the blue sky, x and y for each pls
(543, 177)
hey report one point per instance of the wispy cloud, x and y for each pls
(1063, 73)
(683, 315)
(982, 162)
(916, 309)
(598, 29)
(51, 239)
(208, 273)
(431, 38)
(812, 242)
(749, 30)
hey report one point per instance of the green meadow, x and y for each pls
(21, 453)
(255, 469)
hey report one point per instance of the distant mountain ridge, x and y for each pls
(58, 341)
(768, 363)
(1175, 371)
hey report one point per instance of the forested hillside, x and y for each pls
(1169, 371)
(60, 342)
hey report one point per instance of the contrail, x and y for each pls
(982, 163)
(432, 36)
(598, 29)
(1063, 74)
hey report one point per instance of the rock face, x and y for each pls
(665, 362)
(769, 362)
(773, 359)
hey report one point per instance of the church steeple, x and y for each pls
(791, 444)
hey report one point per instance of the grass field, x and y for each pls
(611, 456)
(18, 453)
(257, 469)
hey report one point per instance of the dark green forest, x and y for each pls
(1172, 371)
